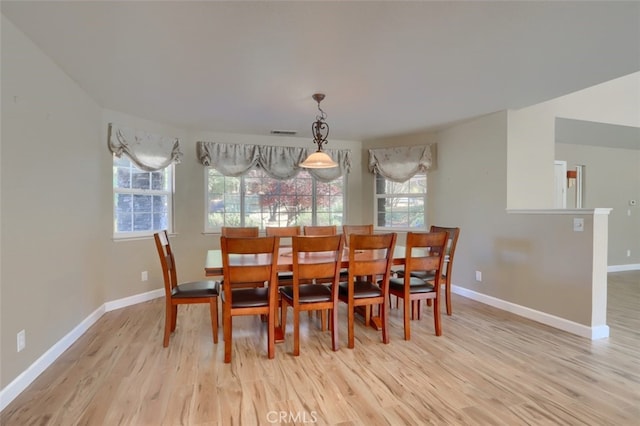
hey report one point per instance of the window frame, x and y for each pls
(243, 193)
(377, 197)
(130, 235)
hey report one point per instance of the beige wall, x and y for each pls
(612, 178)
(55, 221)
(523, 258)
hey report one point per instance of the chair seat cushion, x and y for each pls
(425, 275)
(249, 297)
(360, 289)
(416, 285)
(309, 293)
(195, 289)
(286, 275)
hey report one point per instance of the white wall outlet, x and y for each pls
(21, 340)
(144, 276)
(478, 276)
(578, 224)
(628, 253)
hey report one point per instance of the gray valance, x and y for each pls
(400, 164)
(279, 162)
(148, 151)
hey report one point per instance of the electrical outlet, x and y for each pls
(478, 276)
(21, 340)
(578, 224)
(628, 253)
(144, 276)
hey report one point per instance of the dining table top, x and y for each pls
(213, 262)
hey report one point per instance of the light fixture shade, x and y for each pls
(318, 160)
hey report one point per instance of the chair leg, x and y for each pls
(167, 323)
(323, 319)
(447, 294)
(382, 311)
(174, 317)
(226, 326)
(350, 321)
(296, 331)
(367, 315)
(333, 323)
(271, 334)
(407, 321)
(283, 316)
(213, 306)
(436, 317)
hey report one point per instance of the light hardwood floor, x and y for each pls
(489, 368)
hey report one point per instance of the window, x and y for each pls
(142, 201)
(401, 205)
(256, 199)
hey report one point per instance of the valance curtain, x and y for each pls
(148, 151)
(400, 164)
(279, 162)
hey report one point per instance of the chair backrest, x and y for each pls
(356, 229)
(317, 257)
(249, 260)
(424, 253)
(320, 230)
(371, 254)
(240, 231)
(452, 242)
(282, 231)
(167, 261)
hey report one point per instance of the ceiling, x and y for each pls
(387, 68)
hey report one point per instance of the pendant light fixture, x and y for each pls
(320, 131)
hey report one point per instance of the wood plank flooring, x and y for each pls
(489, 368)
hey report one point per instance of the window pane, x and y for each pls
(160, 204)
(139, 179)
(142, 200)
(266, 201)
(124, 223)
(401, 204)
(142, 222)
(124, 203)
(123, 177)
(142, 203)
(159, 180)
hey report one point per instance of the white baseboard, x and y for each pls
(593, 333)
(622, 268)
(133, 300)
(20, 383)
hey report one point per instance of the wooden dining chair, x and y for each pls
(249, 260)
(450, 251)
(424, 254)
(183, 293)
(356, 229)
(370, 256)
(320, 230)
(240, 231)
(316, 260)
(282, 231)
(286, 233)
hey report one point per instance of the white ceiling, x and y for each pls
(386, 67)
